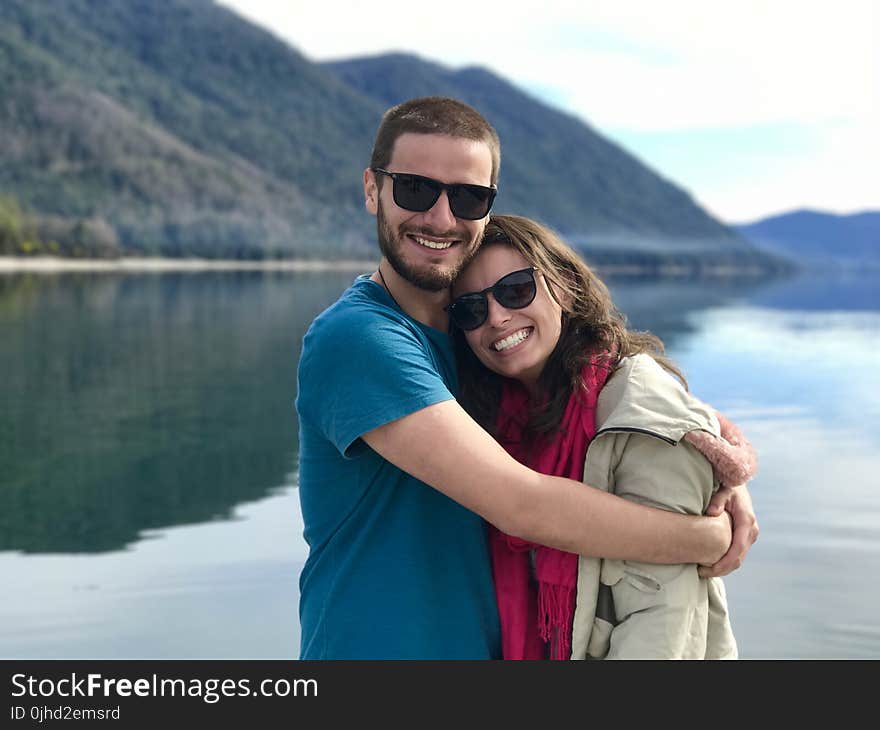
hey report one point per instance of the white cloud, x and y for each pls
(643, 65)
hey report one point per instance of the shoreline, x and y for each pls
(52, 265)
(134, 265)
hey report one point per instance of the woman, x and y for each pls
(548, 366)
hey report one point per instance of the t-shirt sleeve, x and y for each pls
(361, 369)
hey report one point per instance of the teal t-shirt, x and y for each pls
(396, 570)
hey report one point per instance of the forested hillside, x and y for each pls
(178, 128)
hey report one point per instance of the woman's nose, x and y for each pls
(498, 314)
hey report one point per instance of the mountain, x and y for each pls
(187, 128)
(816, 237)
(553, 165)
(183, 129)
(557, 169)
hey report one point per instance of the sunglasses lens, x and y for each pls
(418, 194)
(516, 290)
(415, 193)
(470, 202)
(469, 312)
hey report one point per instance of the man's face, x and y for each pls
(428, 249)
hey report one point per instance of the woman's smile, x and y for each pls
(511, 341)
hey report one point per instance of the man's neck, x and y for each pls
(422, 305)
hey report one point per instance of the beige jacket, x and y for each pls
(633, 610)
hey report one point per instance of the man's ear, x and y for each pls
(371, 192)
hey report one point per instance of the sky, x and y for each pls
(754, 107)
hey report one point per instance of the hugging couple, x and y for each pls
(492, 465)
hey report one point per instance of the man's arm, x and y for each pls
(442, 446)
(738, 503)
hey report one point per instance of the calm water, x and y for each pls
(148, 450)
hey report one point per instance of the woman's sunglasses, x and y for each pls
(512, 291)
(418, 194)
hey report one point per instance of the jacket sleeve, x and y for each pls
(661, 611)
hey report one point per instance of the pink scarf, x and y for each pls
(531, 619)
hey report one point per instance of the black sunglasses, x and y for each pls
(512, 291)
(418, 194)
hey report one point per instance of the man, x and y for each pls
(395, 478)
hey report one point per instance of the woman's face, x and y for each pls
(515, 343)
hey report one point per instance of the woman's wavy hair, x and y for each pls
(591, 327)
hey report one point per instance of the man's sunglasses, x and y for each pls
(418, 194)
(512, 291)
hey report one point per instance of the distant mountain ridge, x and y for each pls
(817, 237)
(191, 131)
(553, 165)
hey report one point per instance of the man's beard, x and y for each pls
(431, 279)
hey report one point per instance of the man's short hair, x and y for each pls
(434, 115)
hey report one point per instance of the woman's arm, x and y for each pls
(442, 446)
(661, 611)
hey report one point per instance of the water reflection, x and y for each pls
(135, 409)
(667, 307)
(136, 402)
(801, 381)
(132, 402)
(224, 589)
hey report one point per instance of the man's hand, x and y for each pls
(737, 502)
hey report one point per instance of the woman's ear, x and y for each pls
(560, 294)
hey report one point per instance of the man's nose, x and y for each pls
(439, 216)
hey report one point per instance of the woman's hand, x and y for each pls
(737, 503)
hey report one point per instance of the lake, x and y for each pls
(148, 450)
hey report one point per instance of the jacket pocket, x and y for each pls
(660, 611)
(600, 639)
(603, 624)
(638, 586)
